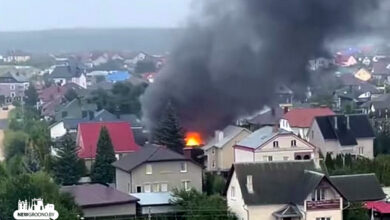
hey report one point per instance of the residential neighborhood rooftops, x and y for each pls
(228, 133)
(345, 129)
(120, 133)
(351, 187)
(379, 102)
(261, 136)
(150, 199)
(303, 117)
(148, 153)
(95, 195)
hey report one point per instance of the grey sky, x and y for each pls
(49, 14)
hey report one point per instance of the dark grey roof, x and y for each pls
(359, 187)
(229, 132)
(73, 123)
(380, 102)
(104, 115)
(360, 127)
(93, 195)
(268, 117)
(277, 182)
(148, 153)
(66, 71)
(133, 119)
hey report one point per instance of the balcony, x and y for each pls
(323, 204)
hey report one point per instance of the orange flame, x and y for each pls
(193, 139)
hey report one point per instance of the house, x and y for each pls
(363, 74)
(299, 120)
(273, 144)
(16, 56)
(77, 108)
(67, 125)
(378, 106)
(284, 95)
(100, 201)
(381, 70)
(219, 150)
(120, 133)
(268, 116)
(343, 134)
(294, 190)
(155, 203)
(345, 60)
(156, 169)
(13, 86)
(63, 74)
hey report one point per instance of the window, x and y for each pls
(213, 151)
(129, 188)
(117, 156)
(139, 189)
(312, 134)
(147, 188)
(293, 143)
(249, 183)
(183, 167)
(84, 114)
(186, 185)
(233, 192)
(276, 144)
(64, 114)
(156, 187)
(149, 169)
(323, 218)
(285, 158)
(318, 194)
(164, 187)
(270, 158)
(213, 165)
(12, 87)
(12, 94)
(361, 150)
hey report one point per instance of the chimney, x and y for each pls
(348, 124)
(218, 135)
(285, 109)
(273, 111)
(335, 123)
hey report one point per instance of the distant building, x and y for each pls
(117, 76)
(16, 56)
(64, 74)
(154, 169)
(219, 149)
(299, 120)
(155, 203)
(77, 108)
(378, 107)
(273, 144)
(295, 190)
(13, 86)
(343, 134)
(99, 201)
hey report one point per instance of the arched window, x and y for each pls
(298, 157)
(306, 157)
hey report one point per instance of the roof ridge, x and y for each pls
(357, 174)
(314, 172)
(152, 154)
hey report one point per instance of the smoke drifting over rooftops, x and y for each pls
(234, 53)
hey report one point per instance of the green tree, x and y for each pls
(329, 162)
(39, 185)
(169, 132)
(102, 170)
(339, 161)
(215, 184)
(199, 206)
(348, 160)
(31, 96)
(67, 164)
(15, 143)
(356, 211)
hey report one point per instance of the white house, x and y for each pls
(294, 190)
(270, 144)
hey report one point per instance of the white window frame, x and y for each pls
(183, 169)
(147, 188)
(213, 165)
(186, 184)
(293, 143)
(156, 187)
(12, 87)
(249, 183)
(164, 187)
(318, 194)
(233, 192)
(149, 169)
(275, 144)
(270, 158)
(12, 94)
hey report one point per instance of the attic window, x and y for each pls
(276, 144)
(249, 183)
(293, 143)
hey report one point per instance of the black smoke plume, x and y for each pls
(235, 52)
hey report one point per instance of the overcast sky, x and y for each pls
(16, 15)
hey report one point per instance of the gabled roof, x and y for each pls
(277, 182)
(120, 133)
(229, 132)
(66, 71)
(359, 187)
(289, 211)
(303, 117)
(104, 115)
(359, 127)
(147, 154)
(97, 195)
(261, 136)
(381, 67)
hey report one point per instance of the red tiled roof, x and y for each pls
(120, 133)
(379, 206)
(303, 117)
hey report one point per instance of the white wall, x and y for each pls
(264, 212)
(57, 130)
(112, 210)
(241, 155)
(236, 204)
(122, 180)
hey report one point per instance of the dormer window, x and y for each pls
(249, 183)
(293, 143)
(276, 144)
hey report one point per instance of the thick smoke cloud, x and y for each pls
(234, 54)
